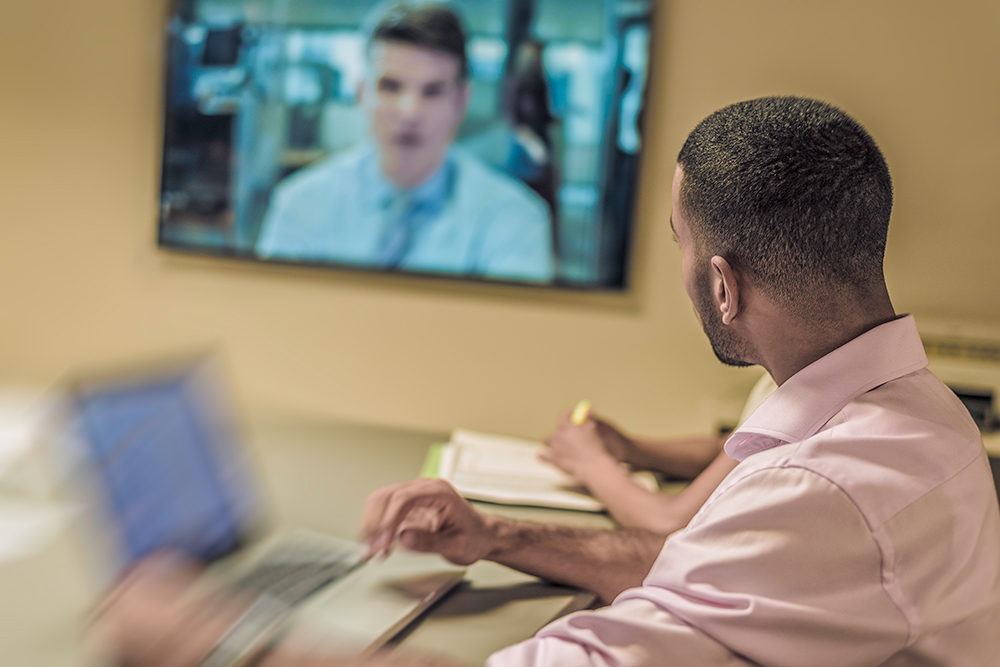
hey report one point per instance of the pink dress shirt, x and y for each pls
(860, 528)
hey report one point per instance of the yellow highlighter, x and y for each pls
(580, 412)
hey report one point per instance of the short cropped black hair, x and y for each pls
(428, 25)
(792, 191)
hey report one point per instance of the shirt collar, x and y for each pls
(380, 193)
(801, 406)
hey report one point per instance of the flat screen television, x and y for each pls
(490, 140)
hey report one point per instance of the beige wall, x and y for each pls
(81, 281)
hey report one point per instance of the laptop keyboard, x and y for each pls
(292, 572)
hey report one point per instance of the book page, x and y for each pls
(505, 469)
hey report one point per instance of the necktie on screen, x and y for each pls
(401, 213)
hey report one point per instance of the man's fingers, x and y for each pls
(419, 540)
(422, 518)
(545, 454)
(372, 518)
(374, 509)
(404, 499)
(383, 523)
(379, 506)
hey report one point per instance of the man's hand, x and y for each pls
(586, 450)
(428, 515)
(151, 619)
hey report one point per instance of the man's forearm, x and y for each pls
(606, 562)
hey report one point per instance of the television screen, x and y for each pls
(477, 139)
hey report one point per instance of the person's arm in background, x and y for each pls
(592, 452)
(683, 457)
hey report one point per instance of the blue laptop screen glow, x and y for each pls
(170, 478)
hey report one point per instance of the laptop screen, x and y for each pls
(170, 472)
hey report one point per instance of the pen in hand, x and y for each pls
(581, 412)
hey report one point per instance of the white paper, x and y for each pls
(27, 527)
(20, 418)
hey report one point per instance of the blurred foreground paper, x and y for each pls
(20, 419)
(27, 527)
(28, 519)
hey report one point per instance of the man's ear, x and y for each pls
(725, 287)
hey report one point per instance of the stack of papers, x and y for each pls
(29, 517)
(506, 470)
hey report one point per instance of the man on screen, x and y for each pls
(407, 200)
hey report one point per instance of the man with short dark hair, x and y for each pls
(802, 208)
(861, 525)
(408, 200)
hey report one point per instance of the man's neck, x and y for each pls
(787, 347)
(410, 179)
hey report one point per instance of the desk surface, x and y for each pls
(317, 476)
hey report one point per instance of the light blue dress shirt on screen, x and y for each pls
(466, 219)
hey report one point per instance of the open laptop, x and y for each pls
(166, 470)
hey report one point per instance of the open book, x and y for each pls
(504, 469)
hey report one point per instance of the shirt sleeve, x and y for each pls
(779, 568)
(630, 633)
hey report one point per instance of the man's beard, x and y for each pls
(727, 348)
